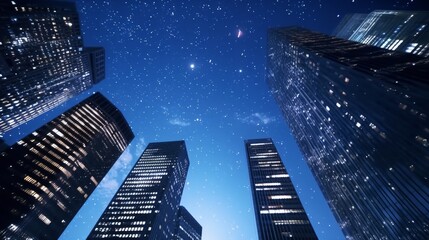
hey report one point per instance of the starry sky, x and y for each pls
(195, 70)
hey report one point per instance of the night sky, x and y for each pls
(195, 70)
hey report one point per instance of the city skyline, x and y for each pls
(47, 176)
(195, 71)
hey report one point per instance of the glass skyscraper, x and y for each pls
(147, 203)
(187, 228)
(42, 59)
(360, 116)
(47, 176)
(404, 31)
(349, 24)
(278, 210)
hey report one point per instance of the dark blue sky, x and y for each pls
(180, 70)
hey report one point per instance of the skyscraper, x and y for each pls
(187, 228)
(42, 59)
(146, 205)
(360, 117)
(404, 31)
(278, 210)
(46, 177)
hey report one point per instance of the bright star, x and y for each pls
(192, 66)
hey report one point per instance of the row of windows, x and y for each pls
(140, 181)
(115, 202)
(280, 211)
(121, 217)
(131, 207)
(139, 212)
(118, 235)
(290, 222)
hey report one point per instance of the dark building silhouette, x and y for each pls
(3, 145)
(46, 177)
(404, 31)
(278, 211)
(187, 228)
(97, 59)
(359, 114)
(146, 204)
(43, 62)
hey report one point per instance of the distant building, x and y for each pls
(47, 176)
(146, 205)
(360, 116)
(187, 227)
(42, 59)
(403, 31)
(278, 210)
(3, 145)
(97, 59)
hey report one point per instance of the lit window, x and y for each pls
(277, 211)
(281, 197)
(267, 184)
(46, 220)
(278, 176)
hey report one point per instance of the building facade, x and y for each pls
(146, 204)
(278, 211)
(47, 176)
(43, 62)
(349, 24)
(404, 31)
(360, 117)
(187, 228)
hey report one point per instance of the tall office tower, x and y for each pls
(187, 228)
(403, 31)
(146, 205)
(360, 116)
(278, 210)
(42, 59)
(46, 177)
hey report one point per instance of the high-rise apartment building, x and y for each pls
(42, 59)
(278, 210)
(46, 177)
(404, 31)
(360, 116)
(146, 204)
(187, 228)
